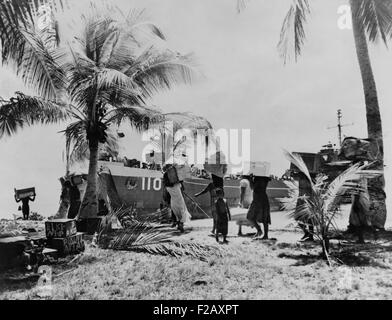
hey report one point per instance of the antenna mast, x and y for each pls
(340, 126)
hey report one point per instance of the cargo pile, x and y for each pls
(29, 248)
(62, 236)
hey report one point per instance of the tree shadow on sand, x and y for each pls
(349, 253)
(14, 280)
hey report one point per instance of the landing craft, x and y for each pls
(143, 189)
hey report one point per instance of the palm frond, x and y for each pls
(77, 147)
(375, 16)
(155, 71)
(26, 48)
(348, 181)
(139, 117)
(152, 238)
(187, 120)
(289, 203)
(292, 34)
(137, 20)
(304, 211)
(23, 110)
(299, 163)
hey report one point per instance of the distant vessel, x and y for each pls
(142, 188)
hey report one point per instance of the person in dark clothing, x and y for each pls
(222, 215)
(259, 211)
(217, 182)
(25, 206)
(305, 189)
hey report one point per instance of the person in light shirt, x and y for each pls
(246, 194)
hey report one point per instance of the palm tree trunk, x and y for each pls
(373, 116)
(89, 206)
(64, 202)
(108, 191)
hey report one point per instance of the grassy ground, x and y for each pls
(281, 269)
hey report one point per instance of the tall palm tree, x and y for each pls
(371, 20)
(106, 76)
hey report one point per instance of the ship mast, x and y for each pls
(340, 126)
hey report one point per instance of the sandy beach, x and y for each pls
(248, 269)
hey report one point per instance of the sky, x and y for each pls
(243, 85)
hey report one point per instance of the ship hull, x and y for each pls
(143, 189)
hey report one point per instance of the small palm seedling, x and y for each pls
(320, 207)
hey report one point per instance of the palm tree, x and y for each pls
(372, 20)
(106, 76)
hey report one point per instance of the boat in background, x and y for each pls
(143, 189)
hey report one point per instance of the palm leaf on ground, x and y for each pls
(153, 238)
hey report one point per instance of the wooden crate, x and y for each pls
(69, 245)
(24, 193)
(61, 228)
(257, 168)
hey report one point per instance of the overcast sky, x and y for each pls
(244, 86)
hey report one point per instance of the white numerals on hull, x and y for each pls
(151, 184)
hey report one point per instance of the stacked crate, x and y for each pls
(62, 236)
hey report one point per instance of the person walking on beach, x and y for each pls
(259, 211)
(178, 206)
(360, 216)
(25, 206)
(305, 190)
(222, 216)
(173, 185)
(217, 182)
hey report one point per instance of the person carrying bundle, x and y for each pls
(217, 183)
(259, 211)
(177, 203)
(25, 202)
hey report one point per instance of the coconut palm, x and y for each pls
(371, 20)
(322, 205)
(106, 76)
